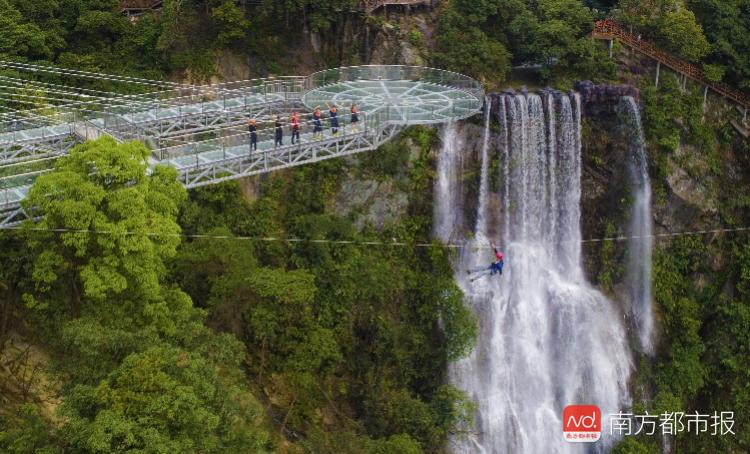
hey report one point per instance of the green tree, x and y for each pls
(684, 35)
(230, 21)
(726, 24)
(19, 37)
(118, 225)
(463, 46)
(163, 399)
(714, 72)
(28, 432)
(142, 370)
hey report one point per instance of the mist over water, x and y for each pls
(547, 338)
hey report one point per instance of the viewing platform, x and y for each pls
(202, 130)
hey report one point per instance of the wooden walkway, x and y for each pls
(609, 30)
(138, 6)
(372, 5)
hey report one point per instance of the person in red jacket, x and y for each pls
(496, 267)
(295, 127)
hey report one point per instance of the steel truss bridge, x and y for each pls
(202, 130)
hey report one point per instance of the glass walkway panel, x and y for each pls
(202, 130)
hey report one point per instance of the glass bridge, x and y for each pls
(202, 130)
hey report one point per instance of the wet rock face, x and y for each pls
(604, 94)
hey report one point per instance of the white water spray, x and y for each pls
(448, 194)
(640, 245)
(547, 338)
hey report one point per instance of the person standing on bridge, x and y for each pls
(317, 123)
(279, 132)
(354, 118)
(295, 127)
(333, 114)
(252, 127)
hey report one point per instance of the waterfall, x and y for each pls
(638, 278)
(547, 338)
(484, 179)
(448, 195)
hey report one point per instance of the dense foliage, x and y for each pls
(342, 338)
(700, 282)
(485, 38)
(185, 37)
(139, 368)
(344, 344)
(229, 343)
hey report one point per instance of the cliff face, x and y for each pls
(400, 37)
(682, 202)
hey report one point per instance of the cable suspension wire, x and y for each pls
(130, 99)
(139, 102)
(69, 104)
(48, 90)
(29, 163)
(393, 243)
(25, 82)
(87, 74)
(11, 97)
(14, 91)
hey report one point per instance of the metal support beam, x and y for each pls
(705, 97)
(658, 68)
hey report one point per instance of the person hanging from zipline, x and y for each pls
(295, 127)
(252, 128)
(333, 115)
(279, 132)
(496, 267)
(317, 124)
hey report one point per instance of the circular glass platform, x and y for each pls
(402, 94)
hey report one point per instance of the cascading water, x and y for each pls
(484, 182)
(547, 338)
(448, 195)
(640, 245)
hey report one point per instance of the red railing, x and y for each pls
(139, 5)
(372, 5)
(609, 29)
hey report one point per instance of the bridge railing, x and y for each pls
(397, 112)
(395, 72)
(13, 188)
(266, 137)
(212, 99)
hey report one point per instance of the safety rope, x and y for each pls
(394, 243)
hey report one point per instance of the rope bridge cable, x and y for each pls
(393, 243)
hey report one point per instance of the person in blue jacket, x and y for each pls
(496, 267)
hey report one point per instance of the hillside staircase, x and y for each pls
(608, 29)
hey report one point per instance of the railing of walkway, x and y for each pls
(609, 29)
(266, 134)
(131, 5)
(402, 114)
(372, 5)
